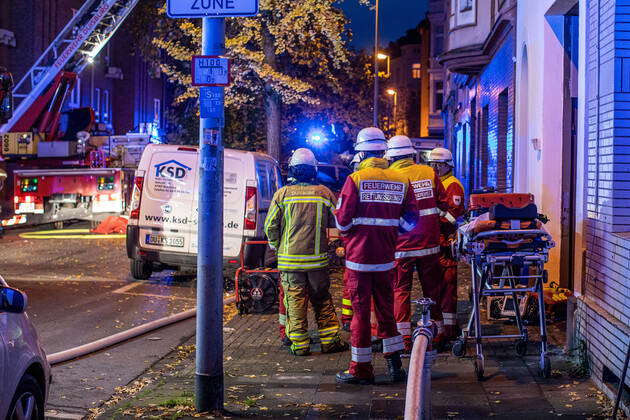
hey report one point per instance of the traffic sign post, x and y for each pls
(212, 71)
(209, 356)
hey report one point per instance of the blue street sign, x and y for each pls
(211, 8)
(211, 103)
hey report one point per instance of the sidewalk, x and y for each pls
(263, 380)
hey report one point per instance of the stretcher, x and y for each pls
(507, 247)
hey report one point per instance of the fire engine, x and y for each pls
(54, 170)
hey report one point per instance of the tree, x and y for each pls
(283, 57)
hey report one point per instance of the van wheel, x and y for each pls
(28, 401)
(141, 270)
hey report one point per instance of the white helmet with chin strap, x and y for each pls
(441, 155)
(370, 139)
(303, 156)
(399, 146)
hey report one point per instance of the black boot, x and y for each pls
(395, 369)
(345, 377)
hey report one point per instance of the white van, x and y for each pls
(162, 230)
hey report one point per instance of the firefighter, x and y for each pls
(296, 227)
(442, 161)
(373, 205)
(419, 249)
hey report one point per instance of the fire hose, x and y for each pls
(112, 340)
(418, 395)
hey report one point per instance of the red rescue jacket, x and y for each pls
(455, 199)
(374, 203)
(424, 239)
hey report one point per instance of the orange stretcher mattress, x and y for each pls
(514, 200)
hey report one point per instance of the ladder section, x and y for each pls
(76, 46)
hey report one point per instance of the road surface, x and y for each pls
(80, 290)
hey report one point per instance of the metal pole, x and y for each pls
(376, 41)
(209, 356)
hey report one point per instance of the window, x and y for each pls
(96, 104)
(438, 41)
(416, 70)
(465, 5)
(75, 95)
(157, 112)
(503, 183)
(438, 96)
(264, 183)
(106, 106)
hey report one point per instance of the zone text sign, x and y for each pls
(210, 70)
(211, 8)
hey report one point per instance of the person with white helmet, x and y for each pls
(373, 205)
(441, 160)
(419, 249)
(296, 227)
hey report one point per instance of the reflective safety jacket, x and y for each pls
(374, 204)
(296, 226)
(424, 239)
(455, 199)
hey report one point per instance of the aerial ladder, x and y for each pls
(53, 75)
(55, 187)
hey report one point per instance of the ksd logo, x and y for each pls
(171, 169)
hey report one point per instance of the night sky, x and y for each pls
(396, 17)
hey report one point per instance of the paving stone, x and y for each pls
(304, 387)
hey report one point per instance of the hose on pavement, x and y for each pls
(103, 343)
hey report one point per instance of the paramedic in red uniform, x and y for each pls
(419, 249)
(374, 204)
(442, 161)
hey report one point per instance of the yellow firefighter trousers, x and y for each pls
(300, 288)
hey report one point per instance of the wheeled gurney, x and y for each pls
(507, 248)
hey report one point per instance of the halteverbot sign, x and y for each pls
(211, 8)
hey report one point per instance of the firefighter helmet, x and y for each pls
(303, 156)
(370, 139)
(441, 155)
(399, 146)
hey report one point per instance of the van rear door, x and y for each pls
(166, 222)
(233, 203)
(234, 182)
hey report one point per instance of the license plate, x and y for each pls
(26, 207)
(161, 240)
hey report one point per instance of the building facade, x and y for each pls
(415, 84)
(124, 91)
(537, 100)
(479, 91)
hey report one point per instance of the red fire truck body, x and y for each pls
(54, 172)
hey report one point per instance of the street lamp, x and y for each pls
(394, 93)
(382, 56)
(376, 42)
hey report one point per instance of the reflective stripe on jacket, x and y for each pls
(374, 204)
(431, 198)
(296, 226)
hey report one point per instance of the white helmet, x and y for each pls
(370, 139)
(303, 156)
(399, 146)
(440, 154)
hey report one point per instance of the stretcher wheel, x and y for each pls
(459, 348)
(520, 347)
(545, 366)
(479, 368)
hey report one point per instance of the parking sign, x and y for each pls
(210, 70)
(211, 8)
